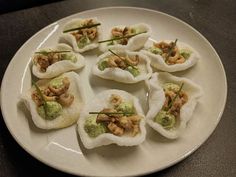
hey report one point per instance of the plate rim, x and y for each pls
(63, 169)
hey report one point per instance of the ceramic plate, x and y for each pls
(62, 149)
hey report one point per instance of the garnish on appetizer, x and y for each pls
(120, 119)
(85, 33)
(43, 59)
(121, 35)
(50, 100)
(123, 62)
(120, 39)
(170, 52)
(175, 98)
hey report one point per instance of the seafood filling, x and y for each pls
(123, 35)
(50, 100)
(118, 120)
(44, 59)
(170, 52)
(170, 112)
(127, 63)
(86, 36)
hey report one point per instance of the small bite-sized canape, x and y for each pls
(55, 103)
(125, 37)
(81, 34)
(113, 116)
(51, 62)
(171, 56)
(172, 101)
(123, 66)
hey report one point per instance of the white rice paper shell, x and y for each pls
(70, 39)
(59, 67)
(134, 43)
(121, 75)
(99, 102)
(158, 62)
(157, 99)
(69, 115)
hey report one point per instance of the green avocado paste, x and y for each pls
(93, 128)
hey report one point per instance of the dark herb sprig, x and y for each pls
(108, 113)
(171, 50)
(177, 94)
(120, 58)
(115, 54)
(123, 37)
(82, 27)
(47, 52)
(42, 98)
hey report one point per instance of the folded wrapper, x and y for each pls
(59, 67)
(70, 39)
(69, 114)
(157, 99)
(158, 62)
(121, 75)
(99, 102)
(134, 43)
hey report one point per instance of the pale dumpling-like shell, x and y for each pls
(134, 43)
(59, 67)
(157, 99)
(70, 39)
(121, 75)
(158, 62)
(69, 114)
(101, 101)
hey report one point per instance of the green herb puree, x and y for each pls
(93, 128)
(57, 82)
(69, 56)
(53, 110)
(185, 53)
(84, 40)
(125, 107)
(155, 50)
(102, 65)
(133, 70)
(165, 119)
(171, 87)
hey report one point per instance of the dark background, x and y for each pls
(13, 5)
(214, 19)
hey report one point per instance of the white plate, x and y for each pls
(62, 149)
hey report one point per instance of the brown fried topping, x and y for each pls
(174, 57)
(178, 103)
(51, 93)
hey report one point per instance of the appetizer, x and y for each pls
(51, 62)
(126, 37)
(113, 116)
(55, 103)
(171, 56)
(123, 66)
(172, 101)
(81, 34)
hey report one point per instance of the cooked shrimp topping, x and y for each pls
(44, 59)
(57, 90)
(179, 101)
(170, 52)
(87, 35)
(127, 63)
(119, 120)
(170, 112)
(171, 55)
(122, 32)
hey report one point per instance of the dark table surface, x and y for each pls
(214, 19)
